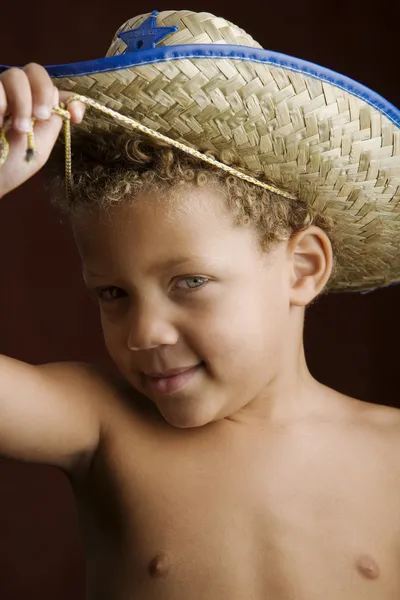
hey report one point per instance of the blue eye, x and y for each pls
(193, 283)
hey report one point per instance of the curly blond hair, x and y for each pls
(110, 169)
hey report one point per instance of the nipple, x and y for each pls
(368, 567)
(160, 565)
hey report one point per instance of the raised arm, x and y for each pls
(49, 413)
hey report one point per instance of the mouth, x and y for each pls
(170, 372)
(172, 380)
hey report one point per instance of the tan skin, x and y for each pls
(252, 481)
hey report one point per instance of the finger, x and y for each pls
(76, 108)
(42, 90)
(19, 99)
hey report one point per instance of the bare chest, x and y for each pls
(172, 522)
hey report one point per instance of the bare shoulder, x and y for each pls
(107, 393)
(375, 422)
(53, 413)
(117, 407)
(386, 421)
(372, 421)
(79, 373)
(93, 397)
(380, 416)
(92, 384)
(368, 413)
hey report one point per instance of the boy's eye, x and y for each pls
(197, 282)
(102, 293)
(111, 293)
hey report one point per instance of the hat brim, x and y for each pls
(332, 139)
(224, 51)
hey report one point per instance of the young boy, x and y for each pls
(215, 466)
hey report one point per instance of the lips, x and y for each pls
(170, 372)
(171, 383)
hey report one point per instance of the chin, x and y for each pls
(185, 419)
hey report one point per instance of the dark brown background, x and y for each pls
(351, 340)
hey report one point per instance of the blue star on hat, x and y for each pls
(147, 35)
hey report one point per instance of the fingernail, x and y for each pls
(42, 112)
(24, 125)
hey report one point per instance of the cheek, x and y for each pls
(230, 330)
(245, 328)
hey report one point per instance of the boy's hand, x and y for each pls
(27, 93)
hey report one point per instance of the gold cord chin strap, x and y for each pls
(135, 125)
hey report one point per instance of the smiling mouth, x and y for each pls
(170, 372)
(172, 383)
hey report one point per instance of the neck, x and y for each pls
(292, 393)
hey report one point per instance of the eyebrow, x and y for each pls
(176, 262)
(167, 264)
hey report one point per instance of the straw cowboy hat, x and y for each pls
(205, 84)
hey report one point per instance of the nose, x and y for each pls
(150, 327)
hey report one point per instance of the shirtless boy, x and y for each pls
(241, 477)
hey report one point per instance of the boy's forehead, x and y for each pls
(193, 229)
(187, 216)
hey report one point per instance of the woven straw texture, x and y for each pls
(319, 141)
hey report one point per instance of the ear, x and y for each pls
(311, 261)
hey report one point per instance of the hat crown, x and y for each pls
(191, 28)
(327, 138)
